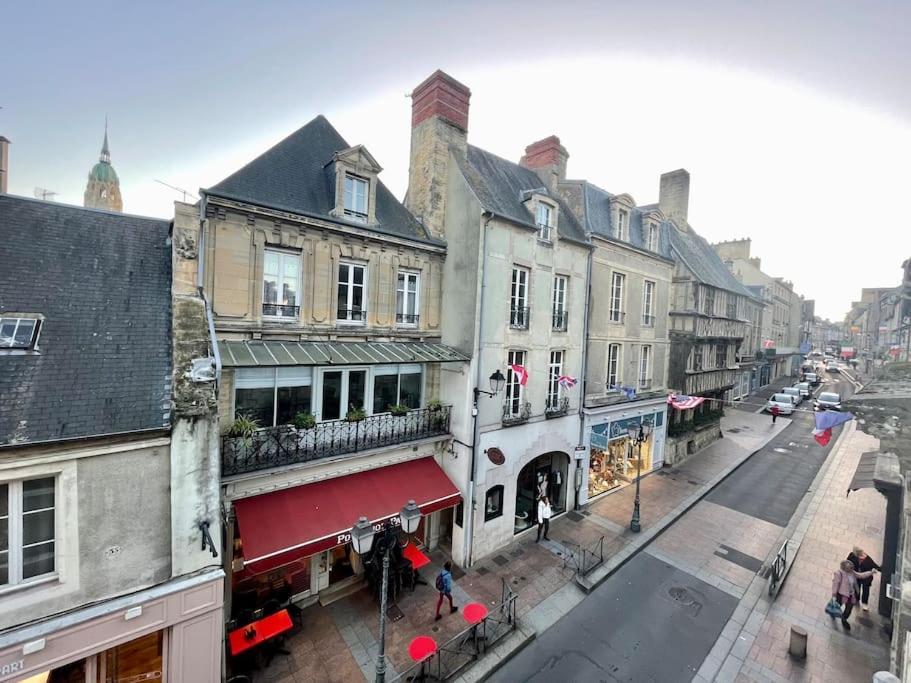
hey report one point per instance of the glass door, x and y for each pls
(341, 391)
(331, 395)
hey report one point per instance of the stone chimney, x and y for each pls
(4, 164)
(439, 126)
(547, 158)
(674, 195)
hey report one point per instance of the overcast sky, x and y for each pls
(794, 121)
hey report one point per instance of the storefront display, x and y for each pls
(613, 462)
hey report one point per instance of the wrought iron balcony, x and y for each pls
(518, 318)
(281, 310)
(284, 445)
(516, 413)
(544, 232)
(407, 318)
(560, 321)
(355, 315)
(555, 407)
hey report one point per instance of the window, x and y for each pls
(697, 357)
(623, 225)
(613, 366)
(708, 302)
(27, 528)
(356, 190)
(273, 396)
(721, 355)
(560, 318)
(341, 391)
(732, 307)
(19, 333)
(616, 298)
(651, 242)
(281, 284)
(543, 217)
(518, 303)
(396, 385)
(493, 506)
(407, 298)
(515, 392)
(648, 303)
(553, 385)
(645, 367)
(351, 299)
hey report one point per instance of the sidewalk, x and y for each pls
(754, 644)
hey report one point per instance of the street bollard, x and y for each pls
(798, 645)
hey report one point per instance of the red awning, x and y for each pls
(277, 528)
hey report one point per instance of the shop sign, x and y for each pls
(12, 667)
(495, 455)
(341, 539)
(603, 433)
(579, 452)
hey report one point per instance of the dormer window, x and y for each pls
(544, 220)
(622, 225)
(651, 240)
(19, 334)
(357, 192)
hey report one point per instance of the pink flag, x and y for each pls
(521, 373)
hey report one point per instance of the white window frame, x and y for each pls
(349, 320)
(615, 311)
(623, 225)
(554, 370)
(14, 517)
(349, 208)
(558, 300)
(401, 287)
(648, 303)
(271, 380)
(399, 371)
(614, 351)
(652, 237)
(32, 344)
(519, 302)
(645, 366)
(515, 392)
(544, 215)
(282, 257)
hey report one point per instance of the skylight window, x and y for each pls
(19, 333)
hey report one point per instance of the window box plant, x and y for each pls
(434, 405)
(399, 410)
(242, 427)
(356, 415)
(304, 421)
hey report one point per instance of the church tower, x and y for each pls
(103, 188)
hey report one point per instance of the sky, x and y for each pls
(793, 118)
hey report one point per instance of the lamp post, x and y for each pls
(497, 382)
(638, 433)
(362, 539)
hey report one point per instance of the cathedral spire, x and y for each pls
(103, 188)
(105, 151)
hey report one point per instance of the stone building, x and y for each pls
(108, 527)
(516, 291)
(325, 293)
(102, 191)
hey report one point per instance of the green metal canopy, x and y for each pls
(253, 353)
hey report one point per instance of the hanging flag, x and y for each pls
(683, 402)
(825, 420)
(822, 436)
(630, 393)
(566, 381)
(521, 373)
(768, 344)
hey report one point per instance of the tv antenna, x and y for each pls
(177, 189)
(45, 194)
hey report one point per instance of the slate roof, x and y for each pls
(501, 185)
(598, 220)
(297, 175)
(703, 261)
(102, 280)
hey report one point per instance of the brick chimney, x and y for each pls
(4, 163)
(547, 158)
(439, 126)
(674, 195)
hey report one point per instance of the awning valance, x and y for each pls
(280, 527)
(254, 353)
(863, 475)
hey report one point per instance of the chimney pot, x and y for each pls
(674, 194)
(548, 159)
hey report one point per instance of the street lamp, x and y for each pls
(497, 382)
(638, 433)
(362, 539)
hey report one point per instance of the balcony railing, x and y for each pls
(355, 315)
(281, 310)
(284, 445)
(543, 232)
(407, 318)
(560, 321)
(645, 384)
(518, 318)
(648, 320)
(616, 316)
(555, 407)
(516, 413)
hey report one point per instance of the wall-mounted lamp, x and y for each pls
(207, 541)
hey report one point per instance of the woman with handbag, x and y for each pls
(844, 587)
(863, 563)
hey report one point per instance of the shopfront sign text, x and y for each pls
(12, 667)
(377, 527)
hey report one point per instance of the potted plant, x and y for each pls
(398, 410)
(434, 405)
(304, 421)
(355, 414)
(242, 427)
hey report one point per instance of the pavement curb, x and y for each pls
(498, 655)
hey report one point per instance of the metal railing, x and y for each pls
(583, 559)
(286, 445)
(778, 568)
(407, 318)
(645, 383)
(515, 414)
(560, 321)
(555, 407)
(518, 318)
(543, 232)
(468, 646)
(281, 310)
(352, 314)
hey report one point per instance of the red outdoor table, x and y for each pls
(420, 650)
(418, 559)
(262, 630)
(475, 613)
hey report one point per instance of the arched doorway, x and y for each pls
(546, 473)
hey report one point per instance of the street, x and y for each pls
(654, 620)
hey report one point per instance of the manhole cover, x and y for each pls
(681, 595)
(781, 450)
(500, 560)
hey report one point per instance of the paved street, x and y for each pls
(659, 616)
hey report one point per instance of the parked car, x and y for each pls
(811, 378)
(805, 389)
(785, 403)
(793, 391)
(828, 401)
(832, 366)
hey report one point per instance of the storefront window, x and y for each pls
(545, 475)
(614, 461)
(494, 506)
(138, 660)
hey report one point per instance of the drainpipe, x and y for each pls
(475, 428)
(579, 474)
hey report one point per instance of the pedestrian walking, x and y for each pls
(544, 513)
(444, 588)
(844, 589)
(863, 563)
(775, 411)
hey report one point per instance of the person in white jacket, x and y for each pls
(544, 513)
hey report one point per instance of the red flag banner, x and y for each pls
(521, 373)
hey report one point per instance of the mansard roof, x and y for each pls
(703, 261)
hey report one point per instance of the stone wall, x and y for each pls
(678, 448)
